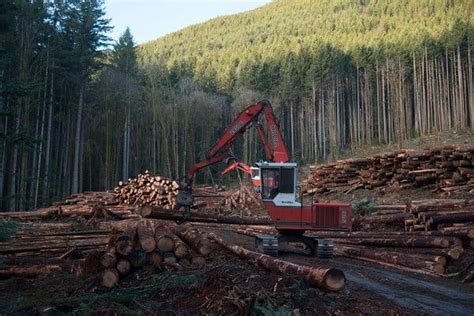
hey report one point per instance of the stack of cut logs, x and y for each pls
(149, 244)
(440, 228)
(84, 205)
(449, 169)
(146, 189)
(431, 215)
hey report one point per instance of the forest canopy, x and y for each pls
(79, 112)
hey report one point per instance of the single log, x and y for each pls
(162, 213)
(109, 258)
(460, 232)
(15, 246)
(27, 272)
(169, 257)
(330, 279)
(425, 216)
(110, 278)
(382, 219)
(386, 212)
(40, 213)
(146, 235)
(180, 249)
(194, 238)
(400, 207)
(454, 252)
(124, 266)
(455, 218)
(397, 258)
(156, 259)
(416, 241)
(126, 241)
(164, 243)
(144, 211)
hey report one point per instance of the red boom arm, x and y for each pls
(275, 152)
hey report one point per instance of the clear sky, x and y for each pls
(150, 19)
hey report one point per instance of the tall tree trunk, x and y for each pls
(77, 143)
(470, 84)
(13, 171)
(45, 195)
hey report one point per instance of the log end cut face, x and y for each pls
(334, 279)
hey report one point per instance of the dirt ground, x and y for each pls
(234, 286)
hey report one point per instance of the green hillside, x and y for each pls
(365, 30)
(342, 76)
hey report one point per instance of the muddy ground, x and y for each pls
(234, 286)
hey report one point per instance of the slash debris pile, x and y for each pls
(146, 189)
(449, 169)
(244, 199)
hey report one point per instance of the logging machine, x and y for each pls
(278, 188)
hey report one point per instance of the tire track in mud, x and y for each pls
(418, 293)
(404, 289)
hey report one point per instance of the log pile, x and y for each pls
(449, 169)
(34, 251)
(85, 205)
(430, 215)
(146, 189)
(152, 244)
(436, 230)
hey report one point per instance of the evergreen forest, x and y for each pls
(80, 112)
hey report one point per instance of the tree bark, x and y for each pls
(77, 142)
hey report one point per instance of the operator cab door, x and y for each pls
(278, 183)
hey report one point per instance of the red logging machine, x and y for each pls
(277, 187)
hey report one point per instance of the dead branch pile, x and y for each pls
(448, 169)
(146, 189)
(244, 199)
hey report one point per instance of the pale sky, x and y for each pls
(150, 19)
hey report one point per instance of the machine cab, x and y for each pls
(255, 176)
(278, 183)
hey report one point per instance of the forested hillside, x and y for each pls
(342, 73)
(339, 73)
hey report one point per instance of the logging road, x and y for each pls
(420, 293)
(415, 292)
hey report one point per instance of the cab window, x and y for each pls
(270, 182)
(287, 183)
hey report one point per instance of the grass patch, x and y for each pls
(364, 206)
(266, 309)
(129, 300)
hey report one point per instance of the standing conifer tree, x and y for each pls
(87, 28)
(124, 60)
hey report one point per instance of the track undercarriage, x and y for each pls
(274, 244)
